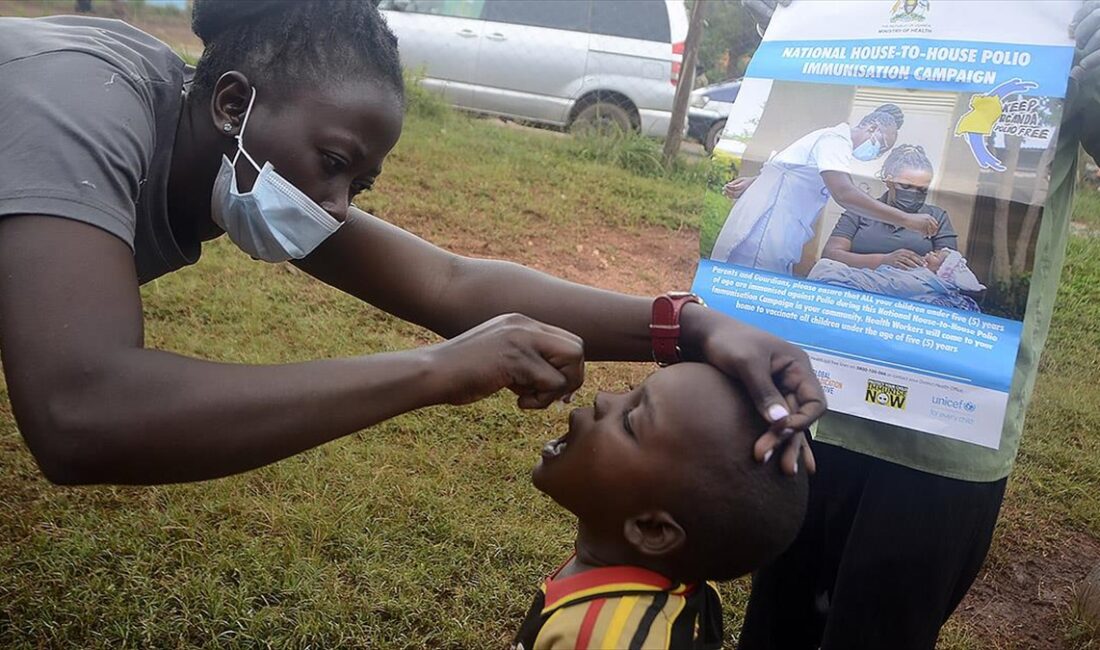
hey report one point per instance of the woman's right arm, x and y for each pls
(95, 406)
(840, 249)
(850, 197)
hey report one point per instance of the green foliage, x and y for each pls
(629, 151)
(422, 102)
(188, 58)
(729, 34)
(1008, 299)
(1086, 206)
(640, 156)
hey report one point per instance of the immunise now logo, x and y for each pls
(886, 394)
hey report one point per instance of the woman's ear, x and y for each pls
(654, 533)
(229, 101)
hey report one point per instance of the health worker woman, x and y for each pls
(118, 165)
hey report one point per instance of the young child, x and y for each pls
(941, 281)
(667, 495)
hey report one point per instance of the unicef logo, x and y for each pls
(955, 404)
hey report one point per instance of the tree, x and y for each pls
(729, 39)
(683, 86)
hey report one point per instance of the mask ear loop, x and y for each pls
(240, 136)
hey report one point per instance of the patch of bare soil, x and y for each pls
(646, 260)
(1024, 602)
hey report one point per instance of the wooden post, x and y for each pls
(686, 81)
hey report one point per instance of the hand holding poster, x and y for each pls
(889, 163)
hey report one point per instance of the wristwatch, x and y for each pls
(664, 328)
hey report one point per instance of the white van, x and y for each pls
(560, 62)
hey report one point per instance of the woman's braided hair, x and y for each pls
(282, 44)
(886, 115)
(905, 156)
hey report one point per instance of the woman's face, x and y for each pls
(328, 141)
(908, 179)
(885, 137)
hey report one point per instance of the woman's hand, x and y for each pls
(1085, 30)
(925, 224)
(538, 362)
(777, 375)
(735, 188)
(903, 258)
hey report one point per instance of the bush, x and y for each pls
(422, 102)
(639, 155)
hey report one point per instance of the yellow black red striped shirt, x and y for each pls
(621, 608)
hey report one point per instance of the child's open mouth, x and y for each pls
(557, 446)
(554, 448)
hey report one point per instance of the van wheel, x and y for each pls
(715, 132)
(603, 118)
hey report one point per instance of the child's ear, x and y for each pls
(654, 533)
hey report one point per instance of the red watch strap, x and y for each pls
(664, 328)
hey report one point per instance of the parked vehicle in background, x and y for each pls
(567, 63)
(708, 110)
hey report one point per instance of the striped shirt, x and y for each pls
(621, 607)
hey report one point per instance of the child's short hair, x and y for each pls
(737, 513)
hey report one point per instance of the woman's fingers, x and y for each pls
(805, 398)
(538, 362)
(1085, 23)
(552, 368)
(756, 375)
(911, 259)
(808, 459)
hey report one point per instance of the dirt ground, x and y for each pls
(1022, 603)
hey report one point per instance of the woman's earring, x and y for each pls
(227, 127)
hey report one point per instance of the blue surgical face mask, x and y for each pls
(869, 150)
(274, 221)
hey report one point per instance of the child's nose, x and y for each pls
(599, 406)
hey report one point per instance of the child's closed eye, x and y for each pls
(626, 423)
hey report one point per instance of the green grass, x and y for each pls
(1086, 209)
(423, 531)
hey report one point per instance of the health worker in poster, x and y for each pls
(776, 212)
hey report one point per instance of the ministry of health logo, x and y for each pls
(908, 11)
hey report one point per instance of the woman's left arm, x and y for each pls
(945, 237)
(447, 293)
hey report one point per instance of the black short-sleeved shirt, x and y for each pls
(870, 236)
(89, 109)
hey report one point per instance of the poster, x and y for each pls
(888, 98)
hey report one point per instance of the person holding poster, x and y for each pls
(776, 212)
(926, 404)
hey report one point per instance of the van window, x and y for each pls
(560, 14)
(642, 19)
(457, 8)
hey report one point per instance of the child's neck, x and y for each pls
(592, 551)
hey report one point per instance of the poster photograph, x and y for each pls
(888, 165)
